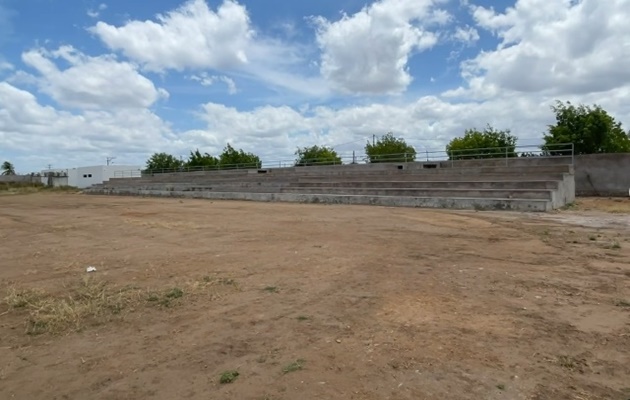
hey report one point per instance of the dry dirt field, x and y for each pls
(310, 301)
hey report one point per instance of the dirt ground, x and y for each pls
(316, 302)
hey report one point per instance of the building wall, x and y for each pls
(83, 177)
(602, 174)
(54, 177)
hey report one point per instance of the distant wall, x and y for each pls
(602, 174)
(18, 178)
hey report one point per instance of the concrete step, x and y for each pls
(460, 184)
(544, 194)
(275, 186)
(362, 169)
(208, 179)
(390, 201)
(417, 192)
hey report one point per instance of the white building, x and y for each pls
(83, 177)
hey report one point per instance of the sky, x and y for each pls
(83, 80)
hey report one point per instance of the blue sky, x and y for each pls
(83, 80)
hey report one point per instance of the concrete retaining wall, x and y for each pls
(19, 179)
(602, 174)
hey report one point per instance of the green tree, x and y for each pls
(7, 168)
(316, 155)
(489, 143)
(590, 129)
(232, 158)
(389, 149)
(163, 161)
(198, 160)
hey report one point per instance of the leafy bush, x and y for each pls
(390, 149)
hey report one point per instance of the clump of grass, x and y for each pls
(165, 299)
(501, 386)
(572, 363)
(592, 238)
(209, 280)
(89, 301)
(566, 362)
(228, 377)
(622, 303)
(294, 366)
(174, 293)
(271, 289)
(303, 318)
(19, 298)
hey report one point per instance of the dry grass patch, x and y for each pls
(92, 302)
(11, 188)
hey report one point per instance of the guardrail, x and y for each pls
(453, 156)
(128, 174)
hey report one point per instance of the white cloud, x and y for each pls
(196, 38)
(555, 47)
(208, 80)
(5, 66)
(192, 36)
(428, 123)
(96, 13)
(84, 138)
(69, 139)
(368, 52)
(91, 82)
(467, 35)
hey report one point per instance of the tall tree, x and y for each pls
(232, 158)
(489, 143)
(316, 155)
(389, 148)
(205, 160)
(7, 168)
(163, 161)
(590, 128)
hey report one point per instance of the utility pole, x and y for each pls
(373, 139)
(110, 159)
(49, 167)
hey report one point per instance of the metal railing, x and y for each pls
(135, 173)
(453, 157)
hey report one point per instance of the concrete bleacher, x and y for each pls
(524, 184)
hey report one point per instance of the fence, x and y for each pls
(128, 174)
(510, 152)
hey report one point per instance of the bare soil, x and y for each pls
(323, 302)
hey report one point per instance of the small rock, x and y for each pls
(338, 340)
